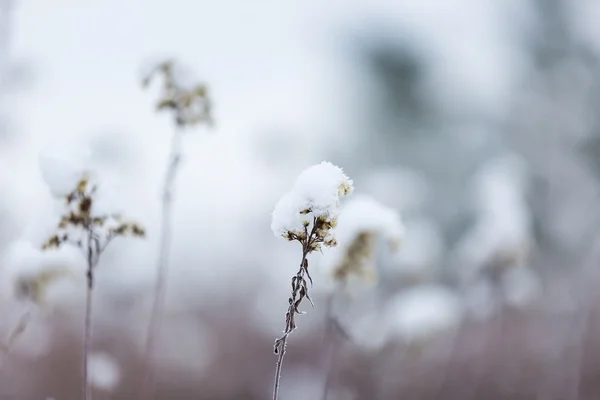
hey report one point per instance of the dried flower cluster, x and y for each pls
(307, 214)
(358, 259)
(189, 102)
(314, 199)
(92, 233)
(362, 221)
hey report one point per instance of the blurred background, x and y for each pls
(475, 119)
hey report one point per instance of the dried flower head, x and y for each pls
(188, 101)
(79, 222)
(361, 222)
(312, 205)
(358, 259)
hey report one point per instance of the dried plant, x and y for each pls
(187, 101)
(307, 214)
(92, 233)
(362, 221)
(190, 105)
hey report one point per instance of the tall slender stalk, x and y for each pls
(99, 231)
(333, 346)
(299, 292)
(163, 264)
(190, 105)
(278, 368)
(87, 338)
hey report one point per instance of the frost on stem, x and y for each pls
(307, 214)
(187, 99)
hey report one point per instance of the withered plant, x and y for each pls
(307, 214)
(362, 222)
(310, 241)
(81, 227)
(190, 106)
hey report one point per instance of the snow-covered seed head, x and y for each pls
(311, 206)
(187, 99)
(362, 221)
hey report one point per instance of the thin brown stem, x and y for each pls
(299, 292)
(278, 368)
(87, 339)
(149, 383)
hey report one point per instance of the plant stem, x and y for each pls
(333, 348)
(87, 339)
(299, 288)
(163, 263)
(278, 369)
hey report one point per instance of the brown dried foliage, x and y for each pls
(81, 217)
(310, 242)
(190, 106)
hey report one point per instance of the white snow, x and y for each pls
(316, 193)
(423, 312)
(503, 225)
(422, 249)
(363, 213)
(63, 165)
(104, 371)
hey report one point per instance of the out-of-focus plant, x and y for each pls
(190, 105)
(307, 214)
(80, 226)
(362, 222)
(31, 288)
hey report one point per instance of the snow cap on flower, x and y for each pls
(365, 214)
(362, 221)
(314, 197)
